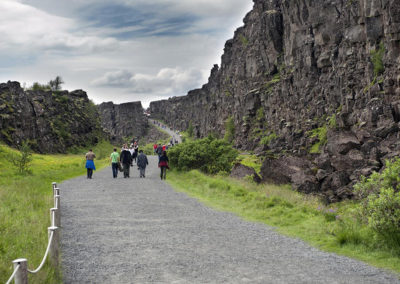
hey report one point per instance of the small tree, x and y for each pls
(55, 84)
(39, 87)
(22, 159)
(190, 130)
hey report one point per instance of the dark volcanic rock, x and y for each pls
(51, 121)
(299, 172)
(297, 68)
(241, 171)
(123, 121)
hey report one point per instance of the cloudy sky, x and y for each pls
(117, 50)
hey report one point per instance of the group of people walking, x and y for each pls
(123, 161)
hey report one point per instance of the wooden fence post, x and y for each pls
(21, 277)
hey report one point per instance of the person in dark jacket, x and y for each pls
(126, 160)
(159, 151)
(142, 162)
(163, 165)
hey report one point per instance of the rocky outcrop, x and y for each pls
(51, 121)
(124, 121)
(240, 171)
(313, 80)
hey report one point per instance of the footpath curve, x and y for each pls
(142, 231)
(167, 130)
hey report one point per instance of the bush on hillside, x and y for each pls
(210, 155)
(22, 160)
(380, 205)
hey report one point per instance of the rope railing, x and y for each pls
(20, 273)
(46, 253)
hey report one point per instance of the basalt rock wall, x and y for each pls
(313, 85)
(50, 121)
(123, 121)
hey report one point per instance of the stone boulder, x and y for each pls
(297, 171)
(341, 142)
(241, 171)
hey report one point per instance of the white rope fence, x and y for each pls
(20, 274)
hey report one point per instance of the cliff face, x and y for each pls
(51, 121)
(312, 85)
(123, 121)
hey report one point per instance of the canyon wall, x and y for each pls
(124, 121)
(51, 121)
(311, 85)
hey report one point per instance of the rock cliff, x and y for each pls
(51, 121)
(124, 121)
(312, 85)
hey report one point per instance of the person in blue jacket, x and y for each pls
(90, 156)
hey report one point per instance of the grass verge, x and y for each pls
(291, 213)
(25, 203)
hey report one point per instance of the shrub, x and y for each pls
(229, 130)
(22, 159)
(209, 155)
(377, 59)
(380, 205)
(267, 139)
(190, 130)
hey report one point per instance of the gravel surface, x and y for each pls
(142, 231)
(169, 131)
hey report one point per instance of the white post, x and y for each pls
(56, 191)
(54, 246)
(54, 184)
(57, 215)
(21, 277)
(54, 217)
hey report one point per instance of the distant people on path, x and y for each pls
(132, 151)
(164, 148)
(126, 160)
(135, 151)
(114, 158)
(90, 156)
(155, 148)
(142, 162)
(163, 165)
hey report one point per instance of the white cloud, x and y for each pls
(26, 28)
(41, 39)
(116, 79)
(167, 82)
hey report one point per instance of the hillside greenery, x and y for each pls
(25, 202)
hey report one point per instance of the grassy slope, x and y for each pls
(25, 203)
(291, 213)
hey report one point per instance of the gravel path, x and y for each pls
(169, 131)
(142, 231)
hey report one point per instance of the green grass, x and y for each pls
(251, 161)
(328, 228)
(25, 203)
